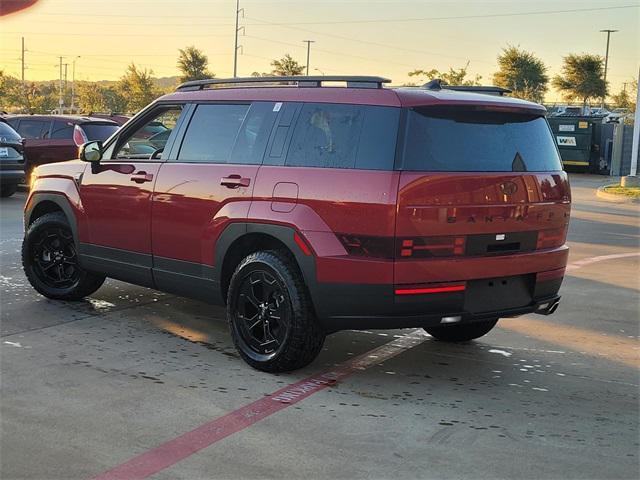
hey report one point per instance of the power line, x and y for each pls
(456, 17)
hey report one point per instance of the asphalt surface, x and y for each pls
(88, 386)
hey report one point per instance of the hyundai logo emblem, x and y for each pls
(508, 188)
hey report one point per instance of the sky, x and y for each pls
(356, 37)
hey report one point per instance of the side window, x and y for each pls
(254, 134)
(33, 129)
(345, 136)
(212, 133)
(326, 135)
(62, 130)
(149, 140)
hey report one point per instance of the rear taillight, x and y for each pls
(420, 247)
(367, 246)
(554, 237)
(79, 136)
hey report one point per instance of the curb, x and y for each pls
(614, 197)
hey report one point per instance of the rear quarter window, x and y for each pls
(462, 140)
(344, 136)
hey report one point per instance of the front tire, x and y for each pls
(50, 260)
(270, 315)
(461, 333)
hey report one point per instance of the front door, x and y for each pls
(116, 196)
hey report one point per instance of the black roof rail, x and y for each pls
(299, 80)
(436, 84)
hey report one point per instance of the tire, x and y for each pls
(270, 315)
(461, 333)
(8, 189)
(50, 260)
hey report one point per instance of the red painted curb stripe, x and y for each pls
(173, 451)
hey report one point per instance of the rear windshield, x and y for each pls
(462, 140)
(8, 134)
(98, 131)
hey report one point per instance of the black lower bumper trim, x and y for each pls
(543, 306)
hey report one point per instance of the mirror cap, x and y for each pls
(91, 151)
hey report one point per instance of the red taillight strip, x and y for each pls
(422, 291)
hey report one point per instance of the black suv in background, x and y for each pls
(11, 160)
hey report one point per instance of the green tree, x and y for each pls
(581, 78)
(137, 87)
(9, 91)
(523, 73)
(193, 64)
(452, 77)
(90, 97)
(286, 66)
(624, 99)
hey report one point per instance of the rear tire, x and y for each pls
(50, 260)
(461, 333)
(270, 315)
(8, 189)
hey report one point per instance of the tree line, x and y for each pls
(581, 79)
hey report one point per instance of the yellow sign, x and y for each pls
(583, 124)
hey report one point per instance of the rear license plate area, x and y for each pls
(501, 293)
(501, 243)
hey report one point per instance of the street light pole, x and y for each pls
(73, 85)
(308, 42)
(606, 62)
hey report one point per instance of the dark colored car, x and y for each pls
(11, 160)
(308, 209)
(56, 138)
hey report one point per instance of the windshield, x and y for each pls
(98, 131)
(8, 134)
(462, 140)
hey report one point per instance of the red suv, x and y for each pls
(308, 209)
(56, 138)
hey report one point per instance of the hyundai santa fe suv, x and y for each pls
(308, 209)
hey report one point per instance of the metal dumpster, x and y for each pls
(574, 136)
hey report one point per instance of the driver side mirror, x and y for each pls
(91, 152)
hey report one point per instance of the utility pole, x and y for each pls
(308, 42)
(606, 62)
(22, 63)
(61, 100)
(237, 47)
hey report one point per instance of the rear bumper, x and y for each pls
(358, 307)
(11, 176)
(542, 306)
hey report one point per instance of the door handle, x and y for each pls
(141, 177)
(235, 181)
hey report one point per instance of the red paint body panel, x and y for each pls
(191, 209)
(117, 209)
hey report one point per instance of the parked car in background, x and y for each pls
(56, 138)
(119, 118)
(11, 160)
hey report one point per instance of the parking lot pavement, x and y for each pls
(134, 381)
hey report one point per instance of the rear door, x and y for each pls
(475, 183)
(206, 183)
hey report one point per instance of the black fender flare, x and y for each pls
(283, 233)
(61, 201)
